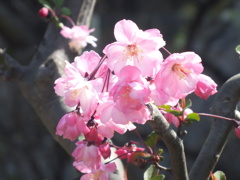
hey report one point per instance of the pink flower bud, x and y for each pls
(43, 12)
(205, 87)
(237, 131)
(105, 150)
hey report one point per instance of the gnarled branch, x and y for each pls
(224, 105)
(172, 141)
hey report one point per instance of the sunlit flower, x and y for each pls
(134, 47)
(205, 87)
(79, 36)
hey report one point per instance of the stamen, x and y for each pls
(180, 71)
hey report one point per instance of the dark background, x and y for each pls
(208, 27)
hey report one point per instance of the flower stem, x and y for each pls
(236, 123)
(146, 146)
(91, 76)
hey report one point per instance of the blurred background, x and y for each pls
(208, 27)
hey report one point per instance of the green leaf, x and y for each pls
(58, 2)
(168, 109)
(193, 117)
(66, 11)
(150, 172)
(176, 113)
(165, 107)
(158, 177)
(44, 3)
(219, 175)
(238, 49)
(160, 151)
(188, 104)
(152, 139)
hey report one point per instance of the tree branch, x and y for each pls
(87, 7)
(224, 105)
(173, 143)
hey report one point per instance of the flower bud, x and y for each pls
(43, 12)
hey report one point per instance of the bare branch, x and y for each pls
(85, 15)
(13, 68)
(224, 105)
(173, 143)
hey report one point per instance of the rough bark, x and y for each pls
(173, 142)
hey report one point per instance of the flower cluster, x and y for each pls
(110, 93)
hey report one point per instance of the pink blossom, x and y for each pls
(178, 76)
(134, 47)
(76, 88)
(237, 131)
(107, 129)
(105, 150)
(126, 152)
(205, 87)
(102, 173)
(93, 136)
(109, 112)
(71, 126)
(88, 154)
(86, 63)
(131, 92)
(79, 36)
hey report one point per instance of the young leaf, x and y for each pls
(238, 49)
(152, 139)
(193, 117)
(165, 107)
(150, 172)
(176, 113)
(58, 2)
(168, 109)
(44, 3)
(188, 104)
(158, 177)
(66, 11)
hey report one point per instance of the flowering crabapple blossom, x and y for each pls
(79, 36)
(127, 151)
(100, 174)
(93, 136)
(86, 63)
(126, 103)
(105, 150)
(177, 77)
(76, 88)
(205, 86)
(71, 125)
(134, 47)
(107, 129)
(109, 112)
(88, 155)
(110, 93)
(131, 92)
